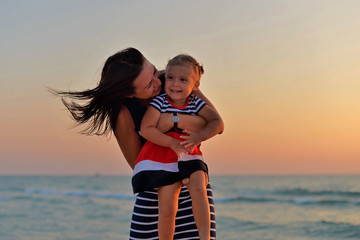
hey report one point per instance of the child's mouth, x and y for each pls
(175, 91)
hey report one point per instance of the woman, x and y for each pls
(128, 83)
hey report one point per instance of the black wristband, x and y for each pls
(175, 119)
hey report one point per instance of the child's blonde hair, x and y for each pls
(187, 60)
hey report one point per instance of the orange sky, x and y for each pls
(284, 76)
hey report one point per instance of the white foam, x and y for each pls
(80, 193)
(305, 200)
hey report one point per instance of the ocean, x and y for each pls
(247, 207)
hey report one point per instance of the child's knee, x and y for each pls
(167, 212)
(197, 188)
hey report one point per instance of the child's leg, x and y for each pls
(168, 205)
(200, 203)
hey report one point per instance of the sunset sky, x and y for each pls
(284, 75)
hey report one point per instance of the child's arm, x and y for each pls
(213, 127)
(151, 133)
(192, 123)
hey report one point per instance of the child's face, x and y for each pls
(180, 82)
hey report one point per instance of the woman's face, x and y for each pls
(147, 84)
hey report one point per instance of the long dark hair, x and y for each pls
(99, 107)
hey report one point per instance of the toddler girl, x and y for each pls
(167, 158)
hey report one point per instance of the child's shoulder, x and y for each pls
(159, 101)
(192, 96)
(161, 97)
(194, 99)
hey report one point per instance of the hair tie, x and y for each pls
(201, 69)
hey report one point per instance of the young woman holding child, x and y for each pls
(129, 82)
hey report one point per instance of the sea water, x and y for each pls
(247, 207)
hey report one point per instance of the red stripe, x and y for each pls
(187, 102)
(157, 153)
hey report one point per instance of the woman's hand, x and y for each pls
(176, 146)
(191, 140)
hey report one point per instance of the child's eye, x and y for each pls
(183, 79)
(169, 77)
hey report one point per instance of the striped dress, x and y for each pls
(145, 213)
(158, 166)
(145, 217)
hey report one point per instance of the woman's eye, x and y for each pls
(149, 85)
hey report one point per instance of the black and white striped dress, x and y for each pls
(145, 217)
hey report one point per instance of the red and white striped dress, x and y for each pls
(159, 166)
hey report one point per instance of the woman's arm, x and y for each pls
(127, 137)
(213, 127)
(200, 95)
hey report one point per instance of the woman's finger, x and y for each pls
(188, 131)
(188, 145)
(183, 143)
(184, 137)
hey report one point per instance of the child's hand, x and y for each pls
(191, 140)
(177, 147)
